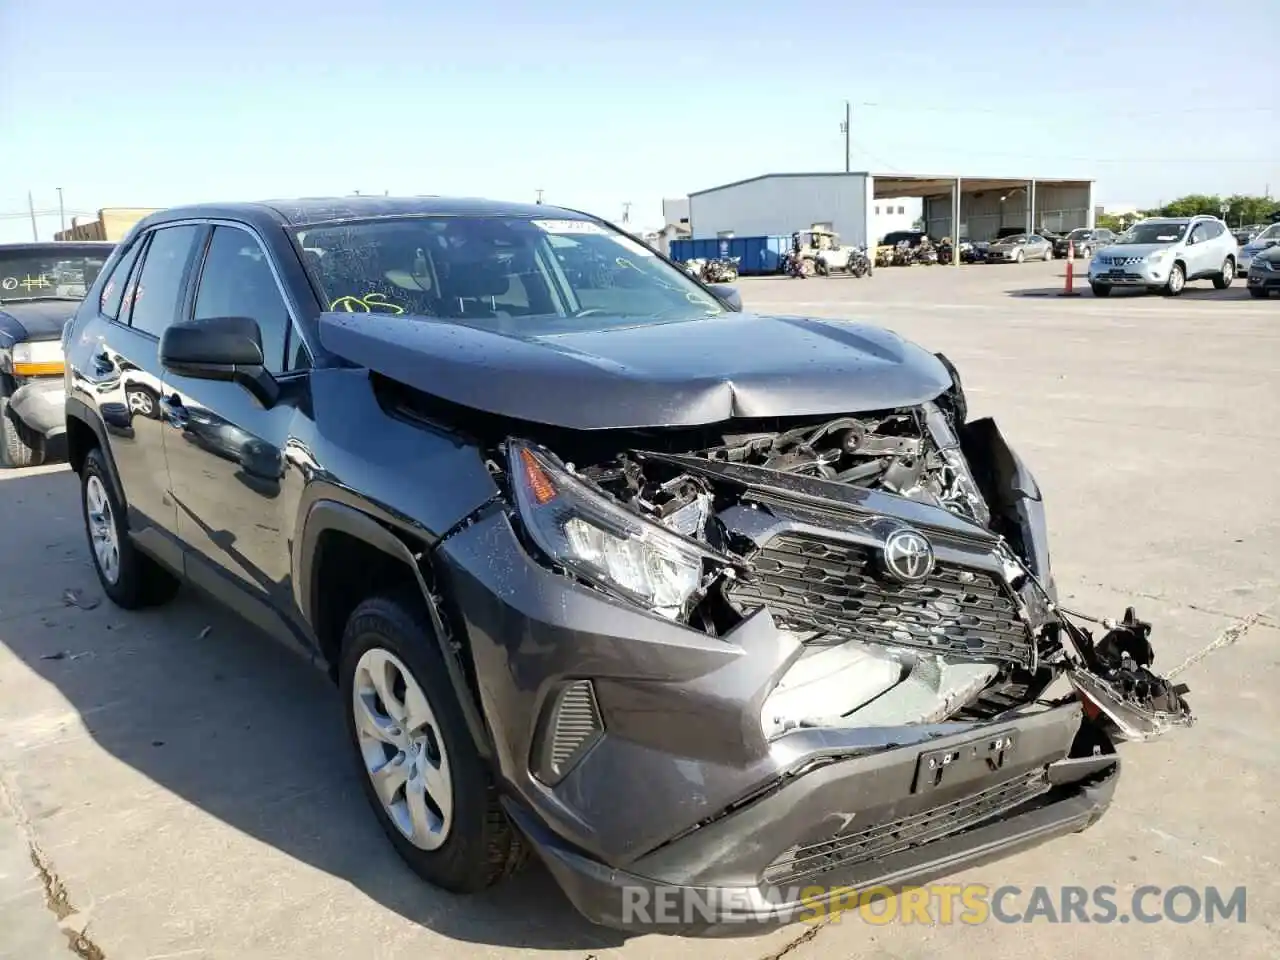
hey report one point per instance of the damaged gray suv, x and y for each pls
(685, 599)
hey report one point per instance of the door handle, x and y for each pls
(174, 412)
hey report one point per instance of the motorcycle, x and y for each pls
(903, 255)
(884, 256)
(946, 251)
(792, 265)
(925, 252)
(859, 263)
(723, 270)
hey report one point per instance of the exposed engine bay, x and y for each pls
(902, 549)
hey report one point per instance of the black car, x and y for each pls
(41, 284)
(1082, 242)
(1264, 273)
(677, 595)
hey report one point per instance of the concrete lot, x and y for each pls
(179, 787)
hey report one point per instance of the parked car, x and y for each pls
(678, 595)
(1163, 253)
(1019, 247)
(40, 285)
(1264, 273)
(1247, 232)
(1263, 240)
(1082, 242)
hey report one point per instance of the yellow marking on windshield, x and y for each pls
(369, 303)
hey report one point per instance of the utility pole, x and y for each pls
(62, 213)
(845, 128)
(539, 193)
(31, 206)
(626, 212)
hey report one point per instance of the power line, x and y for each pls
(1039, 112)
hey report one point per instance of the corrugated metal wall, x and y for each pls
(783, 205)
(981, 215)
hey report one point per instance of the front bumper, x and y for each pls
(40, 403)
(1264, 280)
(1143, 273)
(862, 824)
(1243, 262)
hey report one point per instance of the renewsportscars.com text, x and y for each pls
(940, 903)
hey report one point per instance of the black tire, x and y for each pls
(20, 446)
(1177, 281)
(1100, 289)
(1226, 276)
(482, 847)
(1260, 293)
(1019, 257)
(142, 581)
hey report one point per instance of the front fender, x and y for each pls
(1012, 493)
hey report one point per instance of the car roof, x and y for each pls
(317, 210)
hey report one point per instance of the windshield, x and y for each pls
(1155, 233)
(1271, 233)
(33, 273)
(1016, 238)
(510, 274)
(1079, 233)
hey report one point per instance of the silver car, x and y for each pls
(1266, 238)
(1020, 247)
(1163, 253)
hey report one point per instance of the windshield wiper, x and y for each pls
(51, 296)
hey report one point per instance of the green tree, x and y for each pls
(1193, 204)
(1245, 209)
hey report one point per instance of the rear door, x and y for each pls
(115, 369)
(225, 450)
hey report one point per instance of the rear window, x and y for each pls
(53, 271)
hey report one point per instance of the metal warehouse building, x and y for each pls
(965, 208)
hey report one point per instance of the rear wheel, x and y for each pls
(1226, 275)
(20, 446)
(129, 577)
(432, 794)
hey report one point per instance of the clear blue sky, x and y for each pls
(155, 103)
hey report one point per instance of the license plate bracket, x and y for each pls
(971, 760)
(1117, 271)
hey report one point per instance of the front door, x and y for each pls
(226, 451)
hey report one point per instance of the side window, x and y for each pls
(1215, 229)
(112, 297)
(237, 281)
(159, 288)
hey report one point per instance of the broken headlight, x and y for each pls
(587, 533)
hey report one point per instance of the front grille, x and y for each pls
(1119, 261)
(894, 836)
(810, 583)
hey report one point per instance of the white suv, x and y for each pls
(1163, 253)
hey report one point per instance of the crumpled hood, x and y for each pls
(36, 319)
(660, 374)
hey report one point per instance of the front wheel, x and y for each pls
(1100, 289)
(1177, 280)
(1259, 292)
(421, 773)
(1225, 277)
(1019, 257)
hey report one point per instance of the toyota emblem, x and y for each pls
(908, 556)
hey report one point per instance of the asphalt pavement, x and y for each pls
(172, 785)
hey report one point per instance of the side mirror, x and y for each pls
(220, 348)
(728, 295)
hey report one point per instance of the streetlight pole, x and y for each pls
(845, 129)
(62, 214)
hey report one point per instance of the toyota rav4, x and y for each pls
(604, 566)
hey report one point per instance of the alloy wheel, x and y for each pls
(103, 534)
(1176, 279)
(402, 748)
